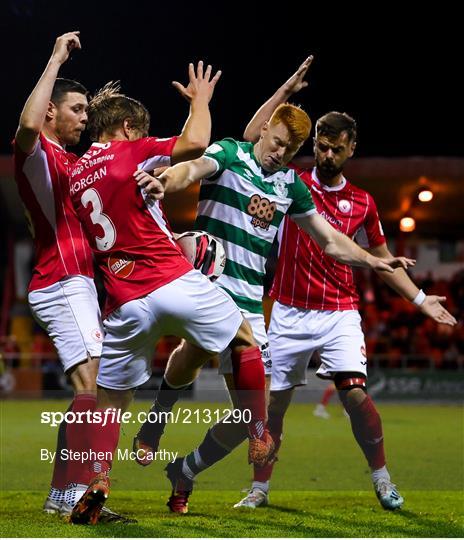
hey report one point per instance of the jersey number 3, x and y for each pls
(105, 242)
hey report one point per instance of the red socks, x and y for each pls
(77, 435)
(104, 436)
(275, 426)
(367, 429)
(99, 438)
(328, 393)
(248, 371)
(60, 466)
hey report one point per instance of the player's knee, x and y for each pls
(192, 356)
(279, 402)
(84, 386)
(351, 389)
(117, 399)
(348, 381)
(83, 377)
(200, 356)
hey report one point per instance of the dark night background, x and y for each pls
(396, 73)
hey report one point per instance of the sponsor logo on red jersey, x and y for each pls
(121, 265)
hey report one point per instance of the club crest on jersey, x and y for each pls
(120, 265)
(97, 335)
(344, 206)
(280, 188)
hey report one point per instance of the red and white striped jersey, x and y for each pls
(130, 235)
(305, 276)
(61, 248)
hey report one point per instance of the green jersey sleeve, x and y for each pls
(303, 203)
(223, 154)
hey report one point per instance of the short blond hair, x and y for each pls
(296, 121)
(108, 109)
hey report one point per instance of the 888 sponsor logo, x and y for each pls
(262, 211)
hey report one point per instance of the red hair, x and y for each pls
(295, 120)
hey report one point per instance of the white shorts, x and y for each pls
(190, 307)
(295, 333)
(68, 311)
(256, 321)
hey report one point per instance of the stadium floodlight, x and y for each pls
(407, 224)
(425, 195)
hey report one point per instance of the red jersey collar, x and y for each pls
(327, 188)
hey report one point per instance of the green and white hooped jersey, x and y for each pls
(244, 206)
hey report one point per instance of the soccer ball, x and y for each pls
(204, 251)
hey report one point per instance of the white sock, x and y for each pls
(73, 493)
(56, 495)
(380, 474)
(186, 470)
(263, 486)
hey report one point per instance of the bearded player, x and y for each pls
(316, 307)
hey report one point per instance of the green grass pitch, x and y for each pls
(321, 485)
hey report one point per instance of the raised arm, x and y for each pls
(400, 282)
(196, 133)
(176, 178)
(293, 85)
(344, 250)
(33, 115)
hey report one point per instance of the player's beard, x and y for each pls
(328, 170)
(73, 138)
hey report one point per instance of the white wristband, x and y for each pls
(420, 298)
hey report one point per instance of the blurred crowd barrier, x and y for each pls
(406, 350)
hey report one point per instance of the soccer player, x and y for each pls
(246, 192)
(321, 408)
(316, 299)
(62, 294)
(152, 289)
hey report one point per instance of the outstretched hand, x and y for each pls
(432, 307)
(296, 82)
(64, 45)
(200, 86)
